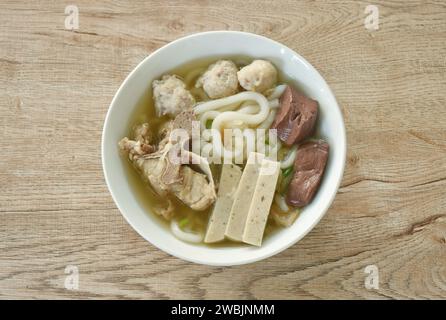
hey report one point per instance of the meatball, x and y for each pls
(171, 96)
(258, 76)
(219, 80)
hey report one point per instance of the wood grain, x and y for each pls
(55, 209)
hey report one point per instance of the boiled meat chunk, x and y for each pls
(167, 176)
(258, 76)
(219, 80)
(194, 190)
(171, 96)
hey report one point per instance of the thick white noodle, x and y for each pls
(183, 235)
(206, 150)
(224, 117)
(280, 201)
(239, 97)
(269, 120)
(245, 103)
(274, 104)
(253, 110)
(209, 115)
(250, 119)
(249, 109)
(288, 161)
(277, 92)
(230, 107)
(206, 135)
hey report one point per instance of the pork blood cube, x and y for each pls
(309, 167)
(296, 117)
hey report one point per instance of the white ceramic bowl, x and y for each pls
(208, 44)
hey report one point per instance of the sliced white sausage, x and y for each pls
(243, 197)
(229, 180)
(261, 202)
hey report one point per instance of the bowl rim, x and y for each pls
(246, 260)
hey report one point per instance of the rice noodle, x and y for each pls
(183, 235)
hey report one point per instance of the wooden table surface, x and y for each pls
(56, 211)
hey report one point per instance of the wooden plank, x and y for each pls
(55, 208)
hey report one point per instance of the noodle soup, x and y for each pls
(215, 218)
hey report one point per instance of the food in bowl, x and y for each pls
(182, 143)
